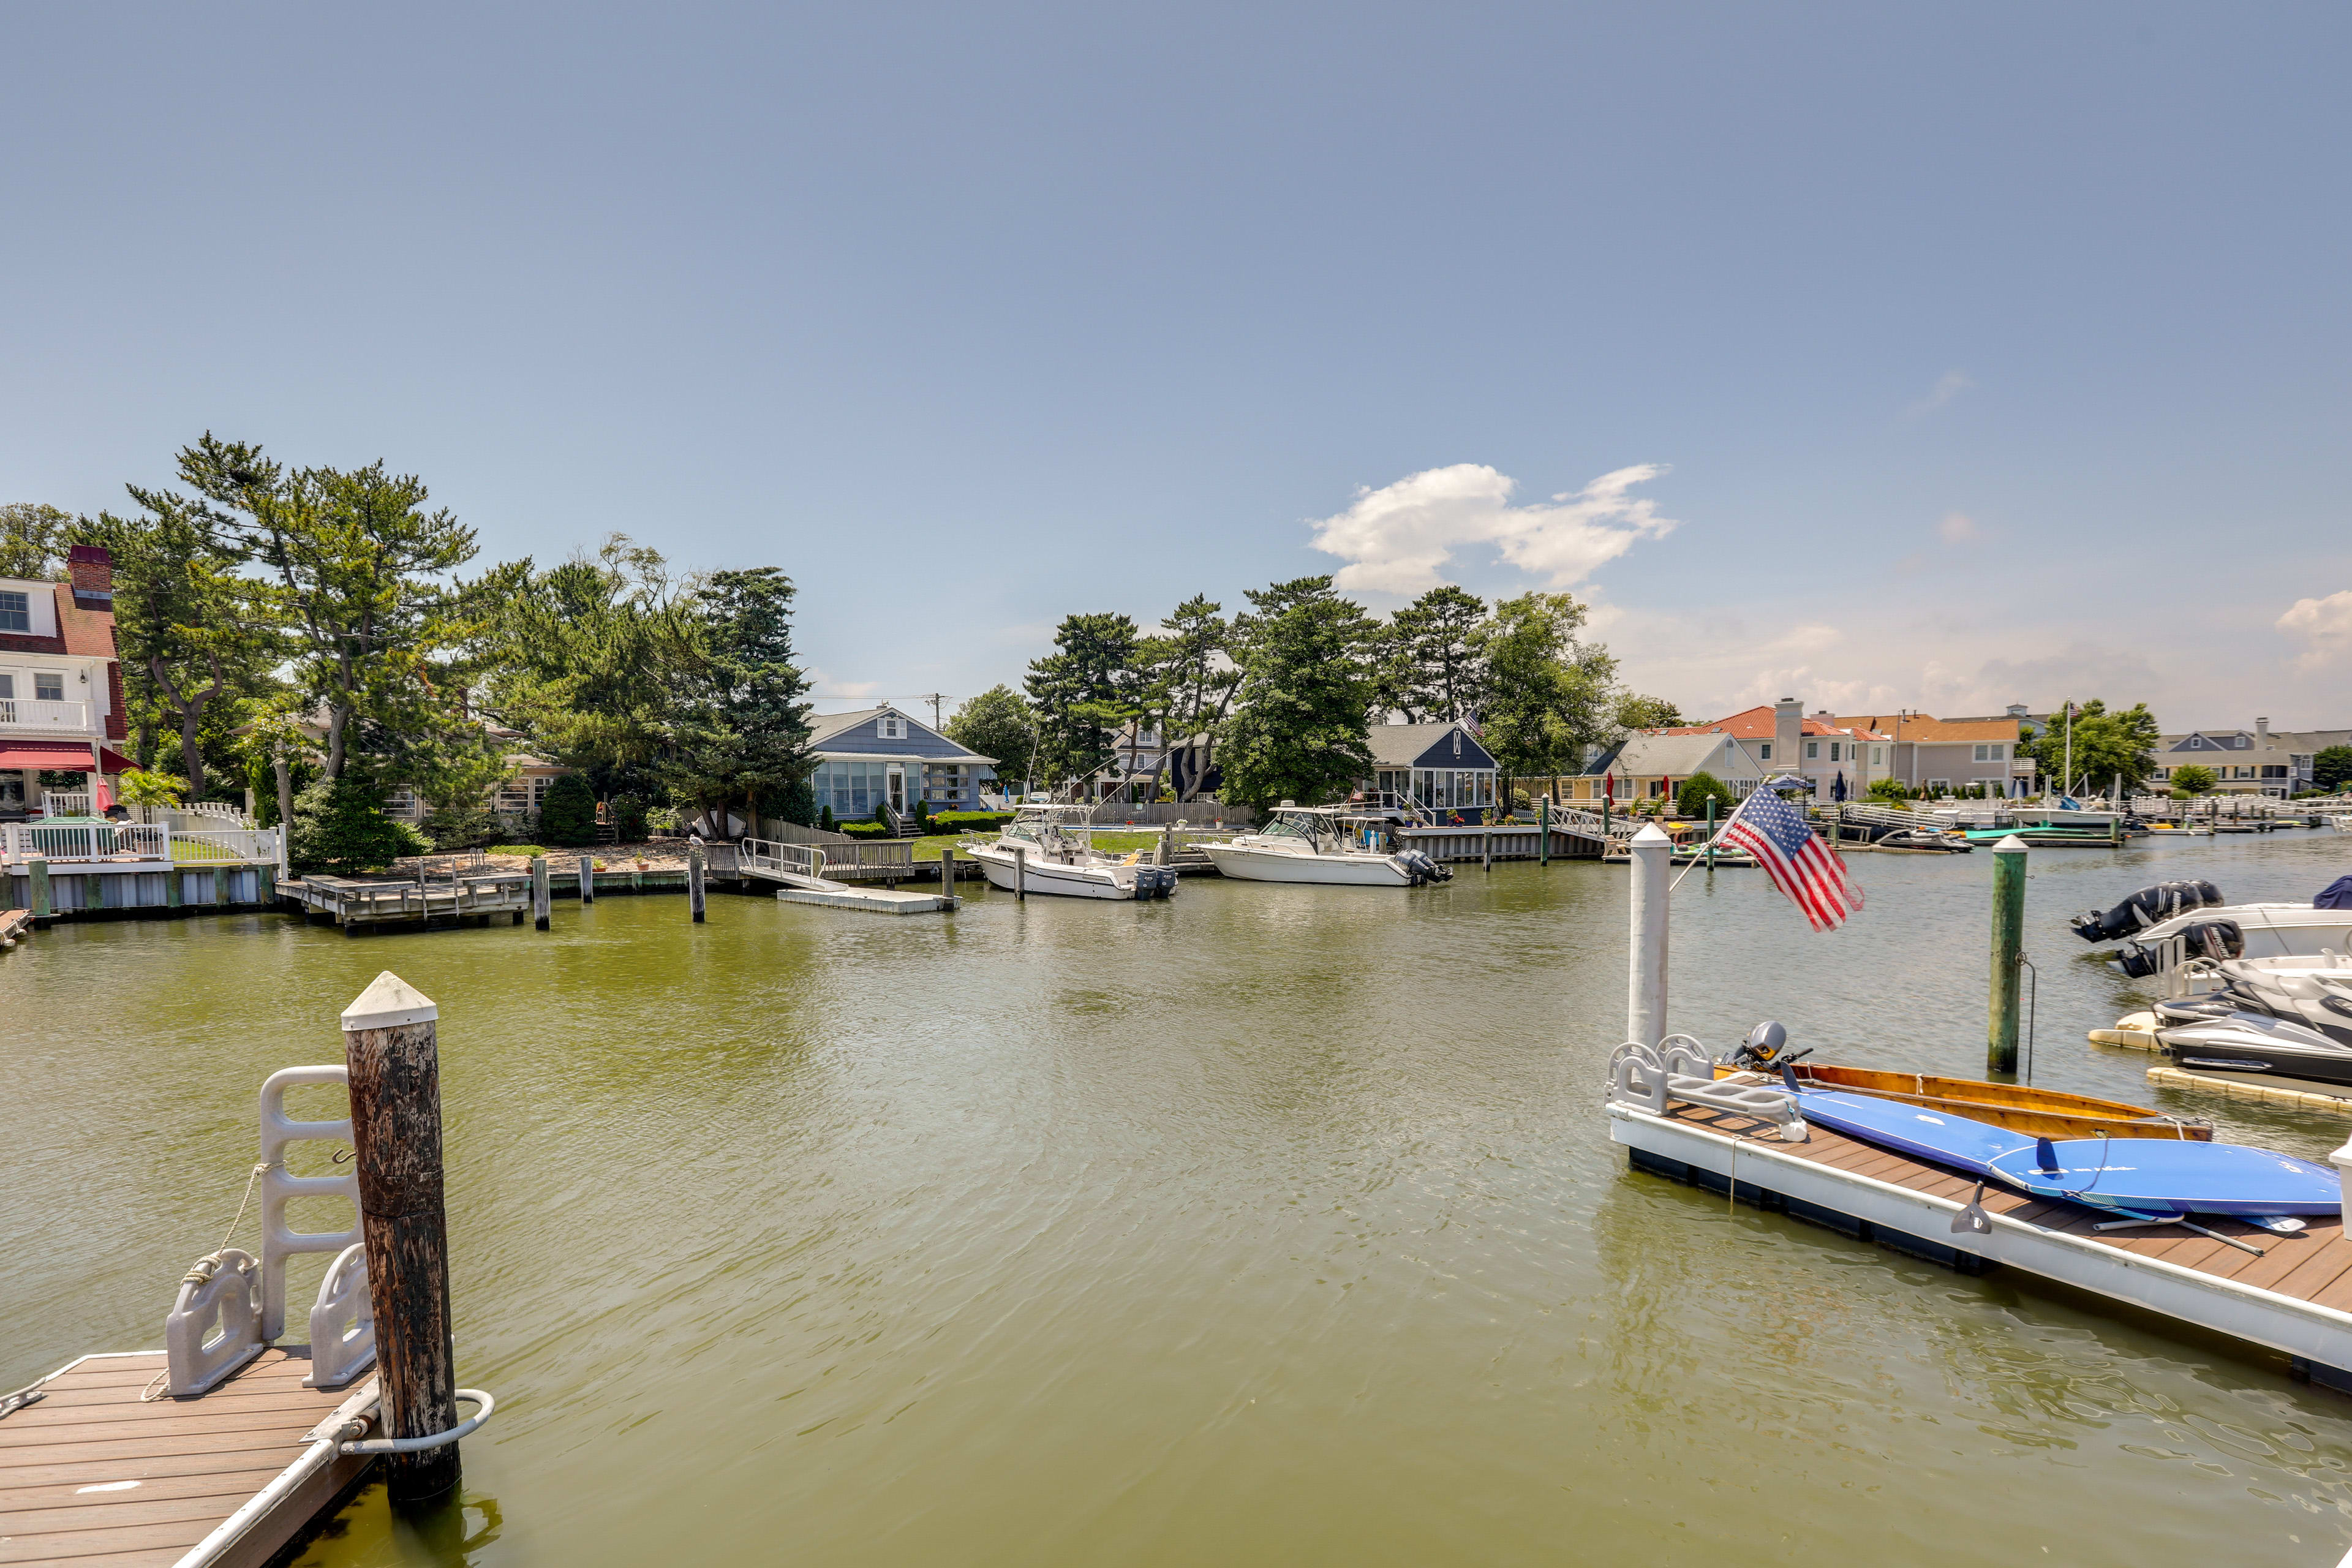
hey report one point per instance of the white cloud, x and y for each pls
(2323, 626)
(1948, 385)
(1399, 539)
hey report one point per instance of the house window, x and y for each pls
(48, 687)
(539, 790)
(1764, 752)
(1941, 786)
(1812, 750)
(513, 798)
(7, 687)
(1877, 756)
(1990, 754)
(890, 727)
(16, 611)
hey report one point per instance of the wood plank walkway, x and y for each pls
(2313, 1267)
(93, 1475)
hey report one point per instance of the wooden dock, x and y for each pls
(94, 1475)
(15, 926)
(2295, 1299)
(356, 905)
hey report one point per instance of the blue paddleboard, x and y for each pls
(1906, 1129)
(2163, 1175)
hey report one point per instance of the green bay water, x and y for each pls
(1267, 1225)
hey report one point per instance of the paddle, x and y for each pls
(2185, 1223)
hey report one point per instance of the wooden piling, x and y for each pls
(1710, 833)
(694, 879)
(174, 889)
(541, 895)
(1543, 820)
(1486, 850)
(947, 874)
(1020, 875)
(587, 879)
(37, 880)
(390, 1048)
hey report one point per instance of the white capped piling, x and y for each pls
(694, 879)
(1020, 875)
(392, 1052)
(1645, 986)
(587, 879)
(540, 894)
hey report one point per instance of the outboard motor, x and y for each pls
(1155, 882)
(1422, 869)
(1766, 1049)
(2216, 940)
(2145, 908)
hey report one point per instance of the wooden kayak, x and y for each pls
(2020, 1108)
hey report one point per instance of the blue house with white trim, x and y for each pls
(879, 756)
(1442, 767)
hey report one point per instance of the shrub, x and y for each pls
(628, 818)
(567, 814)
(922, 816)
(151, 786)
(824, 817)
(1692, 795)
(463, 827)
(340, 826)
(2192, 781)
(521, 851)
(1890, 790)
(865, 829)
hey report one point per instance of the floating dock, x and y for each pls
(2295, 1298)
(354, 905)
(92, 1471)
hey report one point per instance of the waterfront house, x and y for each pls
(879, 758)
(1949, 755)
(1652, 766)
(60, 685)
(2260, 760)
(1776, 738)
(1441, 766)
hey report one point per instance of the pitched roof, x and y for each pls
(853, 733)
(1757, 723)
(89, 632)
(1926, 729)
(1681, 755)
(1409, 745)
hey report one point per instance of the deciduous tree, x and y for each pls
(2104, 746)
(997, 723)
(31, 536)
(1550, 696)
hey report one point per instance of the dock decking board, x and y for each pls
(197, 1461)
(2315, 1266)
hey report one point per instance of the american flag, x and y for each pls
(1800, 865)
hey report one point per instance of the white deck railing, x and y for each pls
(76, 804)
(120, 842)
(32, 713)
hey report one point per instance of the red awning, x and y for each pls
(63, 756)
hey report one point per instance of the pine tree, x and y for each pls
(1301, 714)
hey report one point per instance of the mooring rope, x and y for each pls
(202, 1270)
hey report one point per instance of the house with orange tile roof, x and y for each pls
(1950, 754)
(1826, 753)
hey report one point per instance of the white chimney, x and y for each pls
(2263, 730)
(1788, 722)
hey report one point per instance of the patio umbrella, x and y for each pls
(1837, 786)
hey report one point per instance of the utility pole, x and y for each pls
(934, 698)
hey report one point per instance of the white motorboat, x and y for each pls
(1054, 845)
(2239, 931)
(1326, 843)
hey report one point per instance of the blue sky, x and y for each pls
(1961, 355)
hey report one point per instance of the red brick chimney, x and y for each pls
(90, 567)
